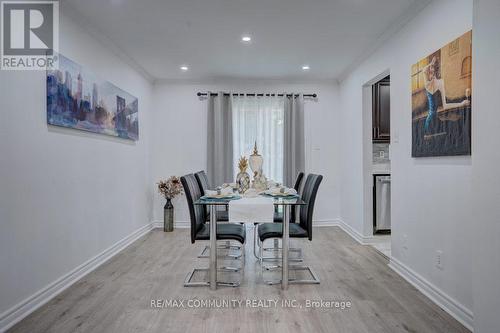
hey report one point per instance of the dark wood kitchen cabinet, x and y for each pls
(381, 111)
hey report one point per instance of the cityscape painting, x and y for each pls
(442, 99)
(76, 98)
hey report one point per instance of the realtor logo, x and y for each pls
(30, 35)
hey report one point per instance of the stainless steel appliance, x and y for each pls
(382, 204)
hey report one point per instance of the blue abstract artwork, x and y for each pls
(77, 98)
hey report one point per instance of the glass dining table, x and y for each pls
(212, 204)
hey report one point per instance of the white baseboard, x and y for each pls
(177, 224)
(157, 224)
(439, 297)
(326, 223)
(182, 224)
(15, 314)
(444, 301)
(361, 239)
(356, 235)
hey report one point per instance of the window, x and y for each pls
(259, 119)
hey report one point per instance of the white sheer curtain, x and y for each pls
(259, 119)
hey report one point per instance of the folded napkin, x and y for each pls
(271, 184)
(276, 191)
(219, 199)
(250, 210)
(227, 191)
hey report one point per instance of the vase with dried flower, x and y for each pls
(243, 178)
(169, 188)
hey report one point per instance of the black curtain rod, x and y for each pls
(243, 94)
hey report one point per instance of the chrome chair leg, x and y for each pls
(276, 248)
(256, 243)
(228, 245)
(270, 282)
(278, 258)
(205, 253)
(187, 280)
(260, 257)
(229, 269)
(313, 280)
(189, 283)
(292, 249)
(189, 277)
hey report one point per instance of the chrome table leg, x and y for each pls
(213, 248)
(285, 239)
(255, 241)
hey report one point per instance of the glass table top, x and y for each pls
(277, 201)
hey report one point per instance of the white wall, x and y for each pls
(179, 136)
(65, 195)
(485, 212)
(68, 195)
(431, 197)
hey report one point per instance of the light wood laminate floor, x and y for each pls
(117, 296)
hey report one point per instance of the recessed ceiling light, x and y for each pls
(306, 68)
(184, 68)
(246, 39)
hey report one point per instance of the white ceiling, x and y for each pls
(329, 35)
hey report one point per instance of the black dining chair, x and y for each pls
(222, 214)
(278, 218)
(201, 231)
(202, 179)
(302, 229)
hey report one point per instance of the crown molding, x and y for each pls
(235, 80)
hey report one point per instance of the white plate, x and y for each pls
(279, 194)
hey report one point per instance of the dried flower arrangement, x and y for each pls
(170, 188)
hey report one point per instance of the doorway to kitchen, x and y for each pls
(376, 163)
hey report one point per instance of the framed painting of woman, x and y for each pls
(441, 101)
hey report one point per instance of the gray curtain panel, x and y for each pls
(294, 146)
(219, 140)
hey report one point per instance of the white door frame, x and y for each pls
(368, 156)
